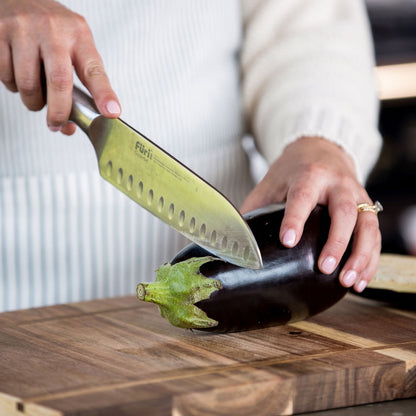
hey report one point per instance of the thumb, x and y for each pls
(260, 196)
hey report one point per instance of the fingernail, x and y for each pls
(289, 238)
(113, 107)
(329, 264)
(349, 278)
(361, 285)
(55, 128)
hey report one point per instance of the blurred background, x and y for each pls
(393, 180)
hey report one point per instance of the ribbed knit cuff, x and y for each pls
(362, 142)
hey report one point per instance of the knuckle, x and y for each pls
(363, 259)
(346, 181)
(56, 21)
(80, 25)
(47, 19)
(315, 170)
(300, 193)
(368, 274)
(35, 105)
(346, 208)
(60, 79)
(28, 86)
(371, 227)
(7, 77)
(57, 118)
(15, 22)
(94, 69)
(339, 244)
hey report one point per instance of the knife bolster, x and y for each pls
(84, 110)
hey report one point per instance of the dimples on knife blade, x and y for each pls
(165, 187)
(173, 194)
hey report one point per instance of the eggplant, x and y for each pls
(199, 291)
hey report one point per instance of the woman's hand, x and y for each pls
(43, 38)
(314, 171)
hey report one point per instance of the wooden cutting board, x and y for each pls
(119, 357)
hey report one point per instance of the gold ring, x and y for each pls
(375, 209)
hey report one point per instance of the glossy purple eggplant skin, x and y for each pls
(289, 288)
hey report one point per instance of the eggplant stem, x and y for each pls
(141, 291)
(176, 290)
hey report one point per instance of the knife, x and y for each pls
(165, 187)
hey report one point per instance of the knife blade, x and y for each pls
(165, 187)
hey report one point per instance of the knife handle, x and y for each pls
(83, 110)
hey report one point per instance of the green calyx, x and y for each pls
(176, 290)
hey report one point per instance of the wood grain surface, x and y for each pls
(119, 357)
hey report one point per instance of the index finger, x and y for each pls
(300, 202)
(90, 70)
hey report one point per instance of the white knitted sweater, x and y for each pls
(306, 69)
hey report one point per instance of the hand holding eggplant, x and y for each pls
(314, 171)
(43, 38)
(199, 291)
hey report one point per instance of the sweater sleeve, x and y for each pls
(308, 70)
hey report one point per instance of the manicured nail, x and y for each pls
(329, 264)
(289, 238)
(55, 128)
(349, 278)
(113, 107)
(361, 285)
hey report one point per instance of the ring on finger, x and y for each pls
(375, 209)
